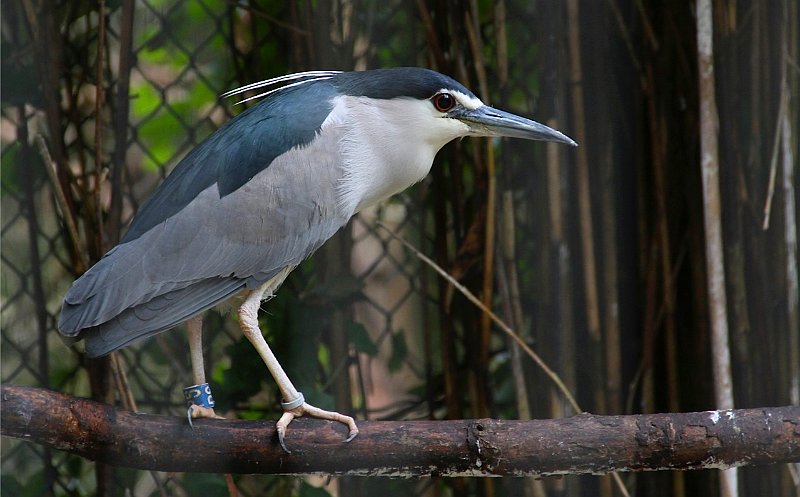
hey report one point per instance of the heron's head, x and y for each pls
(435, 106)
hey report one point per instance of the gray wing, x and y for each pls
(211, 249)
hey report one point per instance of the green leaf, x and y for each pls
(360, 338)
(252, 415)
(157, 136)
(324, 357)
(14, 171)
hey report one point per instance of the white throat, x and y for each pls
(387, 145)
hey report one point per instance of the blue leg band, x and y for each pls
(199, 395)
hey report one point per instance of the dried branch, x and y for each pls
(583, 444)
(63, 204)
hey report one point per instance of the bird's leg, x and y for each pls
(194, 331)
(294, 404)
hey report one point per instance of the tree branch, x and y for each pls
(577, 445)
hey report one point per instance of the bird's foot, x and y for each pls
(200, 402)
(299, 407)
(196, 412)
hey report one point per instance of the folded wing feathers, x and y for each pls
(213, 244)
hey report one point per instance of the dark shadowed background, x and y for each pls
(595, 255)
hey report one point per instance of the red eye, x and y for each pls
(443, 102)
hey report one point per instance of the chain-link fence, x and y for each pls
(183, 55)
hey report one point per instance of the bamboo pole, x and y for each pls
(790, 227)
(584, 198)
(120, 120)
(712, 215)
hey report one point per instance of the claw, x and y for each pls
(283, 444)
(304, 408)
(281, 426)
(351, 435)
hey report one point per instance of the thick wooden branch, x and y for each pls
(485, 447)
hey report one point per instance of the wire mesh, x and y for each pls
(181, 53)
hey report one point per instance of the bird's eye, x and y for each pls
(443, 102)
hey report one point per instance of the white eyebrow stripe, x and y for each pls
(467, 101)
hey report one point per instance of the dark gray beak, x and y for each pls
(488, 121)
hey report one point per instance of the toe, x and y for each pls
(196, 412)
(306, 409)
(351, 435)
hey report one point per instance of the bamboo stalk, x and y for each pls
(487, 288)
(612, 339)
(790, 228)
(563, 270)
(584, 196)
(590, 284)
(122, 108)
(712, 215)
(506, 238)
(507, 243)
(99, 102)
(658, 137)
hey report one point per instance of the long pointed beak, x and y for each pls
(488, 121)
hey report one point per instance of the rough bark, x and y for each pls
(583, 444)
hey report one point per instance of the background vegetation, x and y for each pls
(596, 255)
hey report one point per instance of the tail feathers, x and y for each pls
(107, 289)
(157, 315)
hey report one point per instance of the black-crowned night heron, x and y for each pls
(264, 192)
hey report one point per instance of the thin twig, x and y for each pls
(61, 200)
(121, 381)
(773, 162)
(626, 38)
(499, 322)
(247, 6)
(232, 490)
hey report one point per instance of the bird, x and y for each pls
(261, 194)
